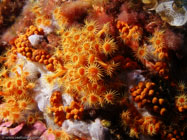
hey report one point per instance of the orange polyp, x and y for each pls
(68, 115)
(73, 104)
(19, 82)
(19, 92)
(141, 52)
(86, 46)
(109, 98)
(5, 114)
(75, 58)
(57, 11)
(76, 37)
(158, 42)
(107, 47)
(94, 86)
(75, 111)
(181, 100)
(67, 57)
(79, 49)
(90, 28)
(151, 129)
(81, 71)
(93, 99)
(136, 36)
(58, 134)
(47, 22)
(93, 71)
(23, 104)
(66, 34)
(16, 115)
(76, 117)
(67, 109)
(30, 119)
(9, 84)
(39, 20)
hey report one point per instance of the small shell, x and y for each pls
(172, 16)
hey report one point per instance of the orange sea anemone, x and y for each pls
(109, 46)
(94, 72)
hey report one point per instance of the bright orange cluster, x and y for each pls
(57, 108)
(173, 135)
(16, 94)
(145, 95)
(41, 17)
(150, 125)
(85, 58)
(162, 69)
(61, 113)
(56, 99)
(74, 111)
(23, 46)
(130, 35)
(158, 43)
(181, 102)
(147, 125)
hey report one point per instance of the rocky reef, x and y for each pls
(93, 69)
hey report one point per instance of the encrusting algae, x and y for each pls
(92, 70)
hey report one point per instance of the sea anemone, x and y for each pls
(91, 26)
(93, 100)
(109, 46)
(141, 53)
(109, 97)
(181, 100)
(94, 72)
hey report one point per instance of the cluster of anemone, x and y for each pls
(84, 55)
(145, 94)
(61, 112)
(57, 108)
(23, 46)
(173, 134)
(131, 35)
(40, 18)
(181, 102)
(158, 43)
(75, 111)
(17, 102)
(148, 125)
(162, 69)
(148, 50)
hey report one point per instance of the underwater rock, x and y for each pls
(35, 39)
(90, 131)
